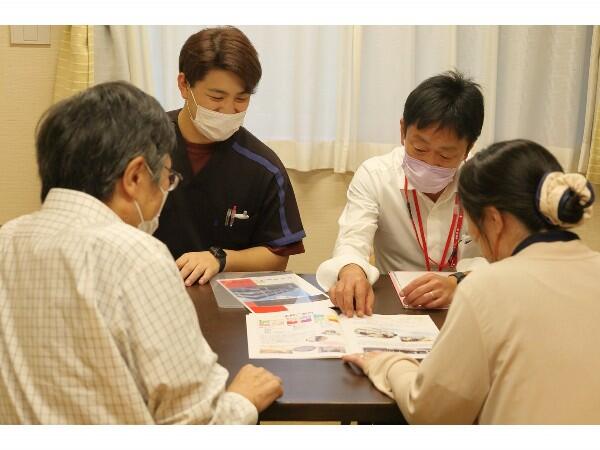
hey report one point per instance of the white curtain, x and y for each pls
(542, 87)
(123, 53)
(332, 96)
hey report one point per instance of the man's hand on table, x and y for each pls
(197, 266)
(258, 385)
(353, 292)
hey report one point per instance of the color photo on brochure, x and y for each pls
(275, 293)
(324, 334)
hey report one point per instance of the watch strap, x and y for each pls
(221, 256)
(459, 276)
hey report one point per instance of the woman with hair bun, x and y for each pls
(519, 342)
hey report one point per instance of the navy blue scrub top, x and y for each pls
(242, 172)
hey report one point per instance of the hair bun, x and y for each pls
(565, 199)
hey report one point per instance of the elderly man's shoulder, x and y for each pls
(131, 245)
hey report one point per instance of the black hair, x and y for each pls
(506, 175)
(449, 101)
(86, 141)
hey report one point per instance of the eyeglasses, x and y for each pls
(174, 177)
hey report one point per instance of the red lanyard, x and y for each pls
(455, 226)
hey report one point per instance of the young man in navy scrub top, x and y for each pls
(235, 209)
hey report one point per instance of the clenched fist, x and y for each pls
(258, 385)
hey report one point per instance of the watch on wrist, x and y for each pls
(459, 276)
(221, 256)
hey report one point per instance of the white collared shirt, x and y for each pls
(96, 325)
(376, 218)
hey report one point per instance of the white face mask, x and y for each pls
(214, 125)
(150, 226)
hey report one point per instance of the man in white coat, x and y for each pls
(404, 205)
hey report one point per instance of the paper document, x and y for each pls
(324, 334)
(226, 299)
(410, 334)
(273, 293)
(402, 278)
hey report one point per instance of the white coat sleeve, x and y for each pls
(357, 226)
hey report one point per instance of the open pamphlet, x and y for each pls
(401, 279)
(323, 334)
(274, 292)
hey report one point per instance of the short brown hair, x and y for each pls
(225, 48)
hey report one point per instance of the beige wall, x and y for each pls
(321, 196)
(26, 85)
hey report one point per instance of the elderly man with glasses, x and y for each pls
(95, 322)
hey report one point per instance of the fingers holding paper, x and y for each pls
(361, 360)
(429, 291)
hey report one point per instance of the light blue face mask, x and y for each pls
(150, 226)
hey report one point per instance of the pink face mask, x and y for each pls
(426, 178)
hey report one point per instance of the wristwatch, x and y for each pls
(459, 276)
(221, 256)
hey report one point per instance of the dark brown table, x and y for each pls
(315, 389)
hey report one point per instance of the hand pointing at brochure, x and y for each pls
(353, 292)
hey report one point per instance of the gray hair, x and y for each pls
(85, 142)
